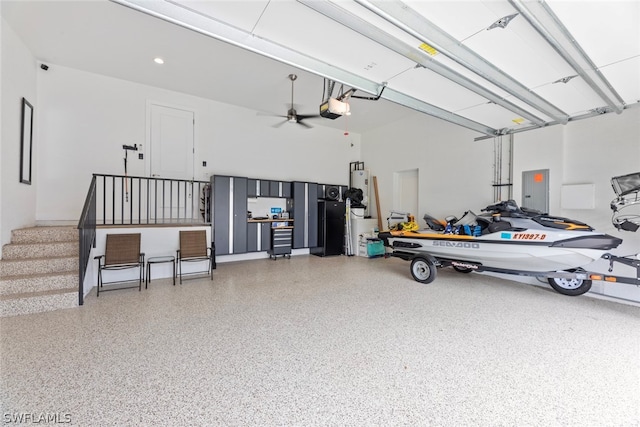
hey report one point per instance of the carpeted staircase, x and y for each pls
(39, 271)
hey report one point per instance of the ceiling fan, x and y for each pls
(292, 116)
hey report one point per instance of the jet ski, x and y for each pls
(505, 239)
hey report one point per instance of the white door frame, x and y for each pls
(147, 156)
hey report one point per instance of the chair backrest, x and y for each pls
(122, 249)
(193, 243)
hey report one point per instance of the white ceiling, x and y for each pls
(493, 81)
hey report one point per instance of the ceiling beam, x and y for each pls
(367, 29)
(592, 113)
(547, 24)
(432, 110)
(195, 21)
(206, 25)
(408, 20)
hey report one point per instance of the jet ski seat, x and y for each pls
(496, 226)
(488, 226)
(432, 223)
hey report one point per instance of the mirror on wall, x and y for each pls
(26, 141)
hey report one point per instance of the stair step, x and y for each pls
(30, 266)
(38, 302)
(14, 251)
(39, 270)
(44, 234)
(13, 285)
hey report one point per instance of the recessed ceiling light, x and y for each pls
(158, 60)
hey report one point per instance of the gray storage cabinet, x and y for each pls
(239, 215)
(305, 214)
(221, 219)
(252, 190)
(232, 233)
(255, 229)
(229, 192)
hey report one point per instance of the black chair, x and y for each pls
(193, 248)
(122, 252)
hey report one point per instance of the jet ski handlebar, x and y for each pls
(511, 208)
(505, 206)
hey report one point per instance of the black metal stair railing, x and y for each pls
(135, 200)
(87, 236)
(114, 200)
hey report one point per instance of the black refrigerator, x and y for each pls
(331, 216)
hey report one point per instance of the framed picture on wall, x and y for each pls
(26, 141)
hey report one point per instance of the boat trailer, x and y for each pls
(576, 282)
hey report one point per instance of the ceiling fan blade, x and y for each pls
(277, 125)
(260, 113)
(307, 116)
(308, 126)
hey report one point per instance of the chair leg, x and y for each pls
(174, 272)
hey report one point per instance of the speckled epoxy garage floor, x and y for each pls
(341, 341)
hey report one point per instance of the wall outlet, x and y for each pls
(140, 156)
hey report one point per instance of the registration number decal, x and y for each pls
(528, 236)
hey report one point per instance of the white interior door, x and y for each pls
(171, 156)
(172, 151)
(405, 195)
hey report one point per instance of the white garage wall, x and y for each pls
(18, 80)
(596, 150)
(85, 119)
(540, 149)
(455, 173)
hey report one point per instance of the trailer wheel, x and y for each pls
(571, 287)
(423, 270)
